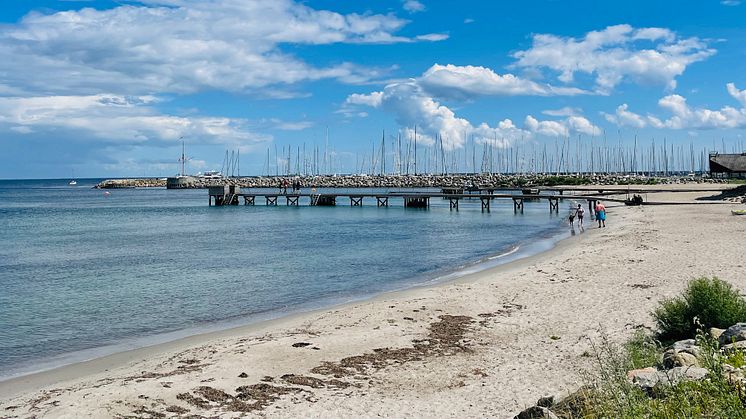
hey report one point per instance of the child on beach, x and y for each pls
(572, 219)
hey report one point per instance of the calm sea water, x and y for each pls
(83, 274)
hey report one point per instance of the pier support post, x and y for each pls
(485, 203)
(249, 200)
(209, 201)
(271, 200)
(291, 200)
(553, 205)
(517, 205)
(382, 201)
(356, 201)
(453, 203)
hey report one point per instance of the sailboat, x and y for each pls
(72, 182)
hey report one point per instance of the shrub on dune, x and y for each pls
(713, 302)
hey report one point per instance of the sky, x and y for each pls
(102, 88)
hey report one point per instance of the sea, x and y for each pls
(86, 272)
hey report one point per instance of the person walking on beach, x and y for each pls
(579, 213)
(600, 214)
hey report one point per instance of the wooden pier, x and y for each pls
(232, 195)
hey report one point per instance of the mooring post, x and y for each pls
(453, 203)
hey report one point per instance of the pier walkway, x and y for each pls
(232, 195)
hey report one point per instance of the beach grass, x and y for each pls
(643, 350)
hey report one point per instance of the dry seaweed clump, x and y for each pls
(247, 399)
(445, 338)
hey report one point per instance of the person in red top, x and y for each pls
(600, 214)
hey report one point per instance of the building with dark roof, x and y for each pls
(728, 165)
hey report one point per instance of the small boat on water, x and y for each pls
(738, 212)
(72, 182)
(211, 174)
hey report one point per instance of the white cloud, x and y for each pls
(624, 117)
(739, 95)
(413, 6)
(372, 99)
(581, 125)
(183, 46)
(451, 81)
(432, 37)
(566, 111)
(561, 128)
(415, 102)
(118, 119)
(277, 123)
(548, 128)
(685, 117)
(468, 21)
(411, 106)
(730, 2)
(616, 54)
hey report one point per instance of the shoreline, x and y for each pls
(248, 324)
(526, 330)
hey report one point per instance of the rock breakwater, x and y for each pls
(408, 181)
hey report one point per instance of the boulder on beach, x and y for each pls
(735, 333)
(683, 353)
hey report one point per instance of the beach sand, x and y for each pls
(488, 344)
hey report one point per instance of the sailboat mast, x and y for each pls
(183, 157)
(415, 149)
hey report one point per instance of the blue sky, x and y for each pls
(111, 88)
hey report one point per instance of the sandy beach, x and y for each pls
(487, 344)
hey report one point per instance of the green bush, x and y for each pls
(712, 301)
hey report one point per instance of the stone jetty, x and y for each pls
(483, 180)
